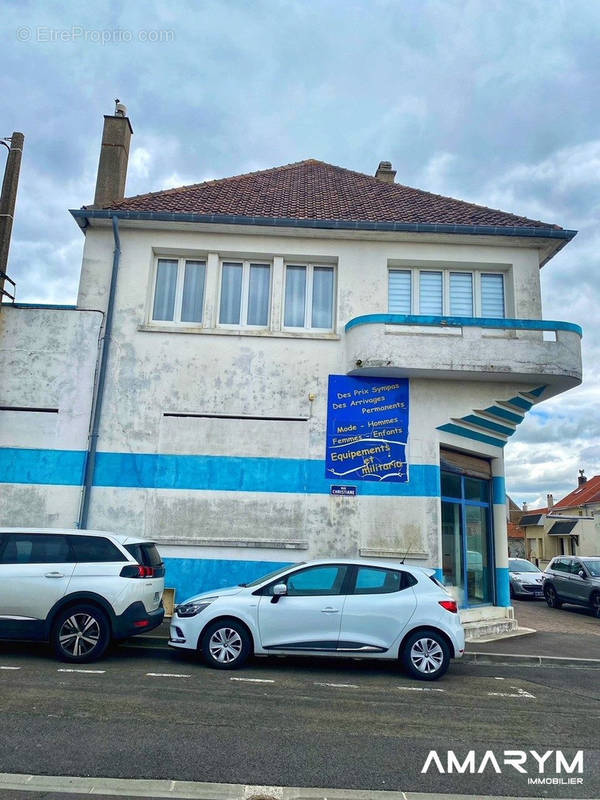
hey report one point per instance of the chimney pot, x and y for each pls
(385, 172)
(524, 506)
(114, 155)
(549, 501)
(581, 479)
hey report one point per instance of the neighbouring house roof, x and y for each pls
(562, 528)
(515, 531)
(589, 492)
(314, 190)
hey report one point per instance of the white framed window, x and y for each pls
(309, 296)
(179, 290)
(441, 292)
(245, 298)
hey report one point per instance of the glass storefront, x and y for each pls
(467, 548)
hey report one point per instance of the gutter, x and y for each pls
(100, 381)
(83, 215)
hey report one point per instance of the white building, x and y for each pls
(233, 302)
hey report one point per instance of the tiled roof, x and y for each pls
(589, 492)
(515, 531)
(314, 190)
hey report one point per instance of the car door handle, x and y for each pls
(329, 610)
(54, 575)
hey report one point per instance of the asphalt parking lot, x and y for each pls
(568, 619)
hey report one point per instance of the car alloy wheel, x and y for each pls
(426, 655)
(80, 633)
(552, 597)
(226, 644)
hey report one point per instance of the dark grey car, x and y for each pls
(573, 579)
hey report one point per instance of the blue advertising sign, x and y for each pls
(367, 429)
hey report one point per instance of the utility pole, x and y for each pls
(7, 204)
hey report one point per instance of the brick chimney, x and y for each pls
(385, 172)
(114, 155)
(581, 478)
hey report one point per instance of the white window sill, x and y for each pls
(152, 327)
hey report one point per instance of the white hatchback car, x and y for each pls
(327, 608)
(78, 589)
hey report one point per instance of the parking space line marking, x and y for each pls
(10, 667)
(253, 680)
(339, 685)
(85, 671)
(166, 675)
(419, 689)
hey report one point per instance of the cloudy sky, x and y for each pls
(490, 101)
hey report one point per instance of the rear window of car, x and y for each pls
(95, 548)
(145, 553)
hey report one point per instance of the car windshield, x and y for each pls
(269, 575)
(593, 567)
(521, 565)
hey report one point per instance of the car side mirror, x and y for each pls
(279, 590)
(581, 573)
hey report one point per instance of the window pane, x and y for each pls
(452, 557)
(193, 292)
(95, 548)
(461, 294)
(258, 294)
(36, 549)
(476, 489)
(450, 485)
(164, 294)
(479, 572)
(231, 294)
(430, 293)
(322, 299)
(399, 299)
(492, 296)
(316, 581)
(371, 580)
(295, 297)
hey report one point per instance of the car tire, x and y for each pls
(226, 644)
(80, 633)
(595, 604)
(552, 597)
(425, 655)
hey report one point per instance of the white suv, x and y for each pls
(78, 589)
(327, 608)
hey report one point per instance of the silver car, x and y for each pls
(573, 579)
(525, 578)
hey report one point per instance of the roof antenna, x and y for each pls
(406, 554)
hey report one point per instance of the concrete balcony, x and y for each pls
(529, 351)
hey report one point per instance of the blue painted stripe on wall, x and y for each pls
(537, 392)
(464, 322)
(190, 576)
(519, 402)
(54, 467)
(486, 423)
(496, 411)
(498, 491)
(215, 473)
(466, 433)
(502, 587)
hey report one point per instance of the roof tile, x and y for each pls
(314, 190)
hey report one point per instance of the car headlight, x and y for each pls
(191, 609)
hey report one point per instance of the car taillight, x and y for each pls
(137, 571)
(449, 605)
